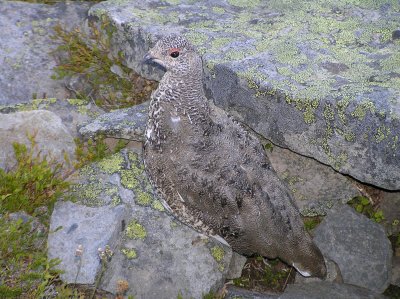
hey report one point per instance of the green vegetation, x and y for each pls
(109, 83)
(95, 149)
(362, 205)
(24, 269)
(312, 222)
(33, 182)
(260, 275)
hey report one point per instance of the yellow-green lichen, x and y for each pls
(129, 179)
(143, 199)
(129, 253)
(244, 3)
(217, 253)
(134, 230)
(361, 110)
(382, 133)
(218, 10)
(157, 205)
(111, 164)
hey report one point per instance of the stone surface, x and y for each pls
(157, 256)
(396, 271)
(73, 112)
(332, 275)
(315, 187)
(51, 136)
(25, 45)
(236, 293)
(328, 290)
(319, 78)
(390, 206)
(358, 246)
(127, 123)
(73, 225)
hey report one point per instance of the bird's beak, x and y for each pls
(148, 58)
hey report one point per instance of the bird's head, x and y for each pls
(174, 53)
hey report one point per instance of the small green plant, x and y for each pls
(33, 182)
(108, 82)
(95, 149)
(362, 205)
(25, 270)
(311, 222)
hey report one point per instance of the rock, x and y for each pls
(74, 225)
(236, 266)
(25, 46)
(396, 271)
(315, 187)
(358, 246)
(236, 293)
(127, 123)
(51, 136)
(319, 79)
(333, 275)
(153, 253)
(390, 206)
(328, 290)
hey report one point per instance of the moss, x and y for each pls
(134, 230)
(129, 253)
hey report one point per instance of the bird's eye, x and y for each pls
(174, 54)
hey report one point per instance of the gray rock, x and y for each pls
(51, 136)
(157, 256)
(396, 271)
(236, 293)
(127, 123)
(74, 225)
(321, 80)
(25, 45)
(332, 275)
(328, 290)
(315, 187)
(390, 206)
(358, 246)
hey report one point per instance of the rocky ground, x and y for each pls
(109, 230)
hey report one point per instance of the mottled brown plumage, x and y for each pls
(212, 173)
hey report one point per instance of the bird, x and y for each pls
(211, 171)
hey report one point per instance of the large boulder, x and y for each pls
(321, 79)
(51, 136)
(153, 254)
(358, 246)
(26, 45)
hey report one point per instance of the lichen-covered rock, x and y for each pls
(319, 78)
(76, 227)
(127, 123)
(358, 246)
(156, 255)
(25, 45)
(50, 134)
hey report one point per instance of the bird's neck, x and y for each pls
(184, 91)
